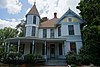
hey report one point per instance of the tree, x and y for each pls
(21, 28)
(90, 12)
(5, 33)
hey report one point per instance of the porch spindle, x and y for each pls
(18, 45)
(33, 47)
(65, 47)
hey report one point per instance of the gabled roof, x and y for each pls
(49, 23)
(71, 13)
(33, 11)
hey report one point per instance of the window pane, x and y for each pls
(34, 19)
(33, 31)
(71, 29)
(60, 49)
(59, 31)
(52, 33)
(73, 46)
(44, 33)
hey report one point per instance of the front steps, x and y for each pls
(56, 62)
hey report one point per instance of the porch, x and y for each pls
(49, 48)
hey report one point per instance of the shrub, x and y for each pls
(73, 58)
(34, 59)
(73, 65)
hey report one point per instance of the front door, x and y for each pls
(52, 50)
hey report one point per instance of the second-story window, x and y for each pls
(71, 29)
(33, 31)
(52, 33)
(44, 33)
(59, 31)
(34, 19)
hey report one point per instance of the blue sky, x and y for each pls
(12, 11)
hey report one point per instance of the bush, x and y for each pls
(34, 59)
(73, 65)
(12, 58)
(73, 58)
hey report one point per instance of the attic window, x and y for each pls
(69, 19)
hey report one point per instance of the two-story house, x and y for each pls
(53, 38)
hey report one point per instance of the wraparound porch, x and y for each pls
(48, 48)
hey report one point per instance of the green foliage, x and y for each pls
(90, 11)
(91, 14)
(21, 28)
(73, 65)
(12, 58)
(34, 59)
(90, 51)
(72, 58)
(7, 32)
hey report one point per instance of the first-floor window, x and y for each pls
(33, 31)
(43, 49)
(73, 46)
(60, 49)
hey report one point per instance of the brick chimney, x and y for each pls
(55, 15)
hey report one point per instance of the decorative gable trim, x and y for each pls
(70, 13)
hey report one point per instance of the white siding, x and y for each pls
(40, 33)
(29, 19)
(28, 31)
(48, 33)
(67, 47)
(77, 29)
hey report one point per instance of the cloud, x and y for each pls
(12, 6)
(8, 23)
(48, 7)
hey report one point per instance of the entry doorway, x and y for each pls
(52, 50)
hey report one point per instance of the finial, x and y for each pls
(34, 2)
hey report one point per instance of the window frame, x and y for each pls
(33, 30)
(59, 31)
(73, 47)
(44, 33)
(34, 19)
(71, 29)
(51, 33)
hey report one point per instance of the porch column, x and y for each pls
(18, 45)
(8, 47)
(45, 51)
(65, 48)
(5, 45)
(33, 47)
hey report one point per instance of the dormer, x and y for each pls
(70, 16)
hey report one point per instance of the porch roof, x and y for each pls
(24, 39)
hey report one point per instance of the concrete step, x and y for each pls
(56, 62)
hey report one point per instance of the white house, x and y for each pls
(53, 38)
